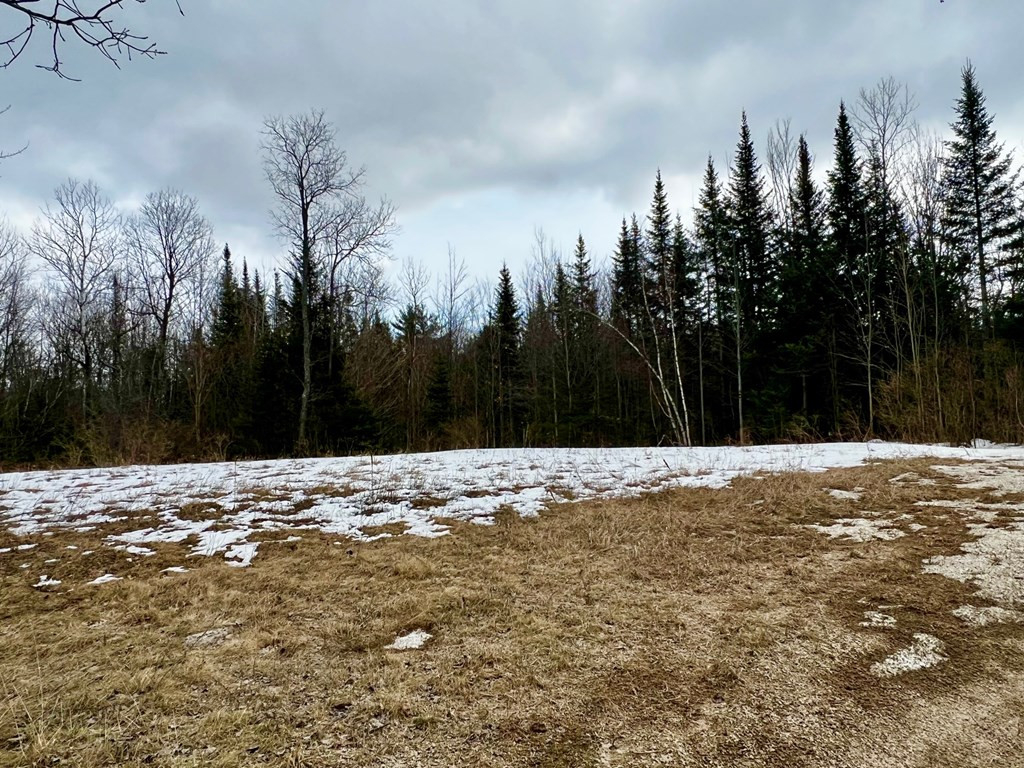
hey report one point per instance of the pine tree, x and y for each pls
(505, 354)
(627, 278)
(585, 354)
(981, 211)
(847, 215)
(753, 270)
(227, 324)
(659, 242)
(807, 298)
(718, 307)
(750, 220)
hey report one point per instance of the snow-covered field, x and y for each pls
(229, 508)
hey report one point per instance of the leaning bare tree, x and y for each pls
(321, 215)
(92, 22)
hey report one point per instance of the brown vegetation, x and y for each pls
(694, 627)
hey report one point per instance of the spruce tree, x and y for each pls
(583, 278)
(980, 187)
(507, 330)
(627, 277)
(227, 323)
(847, 214)
(750, 220)
(808, 298)
(711, 241)
(847, 200)
(658, 261)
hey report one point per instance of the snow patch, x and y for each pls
(878, 620)
(412, 641)
(104, 579)
(1000, 480)
(994, 563)
(924, 652)
(859, 529)
(348, 496)
(854, 495)
(982, 617)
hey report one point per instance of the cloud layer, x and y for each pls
(483, 120)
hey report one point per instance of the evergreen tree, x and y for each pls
(583, 279)
(659, 251)
(750, 221)
(227, 323)
(754, 276)
(847, 214)
(627, 277)
(506, 332)
(981, 212)
(808, 300)
(714, 253)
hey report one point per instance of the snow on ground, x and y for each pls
(841, 495)
(217, 509)
(926, 651)
(990, 614)
(106, 578)
(994, 561)
(859, 529)
(412, 641)
(878, 620)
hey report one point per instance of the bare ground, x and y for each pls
(689, 628)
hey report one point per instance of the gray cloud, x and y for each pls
(453, 105)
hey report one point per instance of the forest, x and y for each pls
(882, 298)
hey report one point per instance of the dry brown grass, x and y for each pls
(686, 628)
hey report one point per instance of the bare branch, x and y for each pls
(94, 25)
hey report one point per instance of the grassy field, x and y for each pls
(691, 627)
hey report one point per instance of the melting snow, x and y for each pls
(925, 651)
(982, 617)
(853, 495)
(859, 529)
(878, 620)
(410, 642)
(994, 563)
(999, 480)
(349, 496)
(104, 579)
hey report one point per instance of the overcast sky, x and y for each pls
(483, 120)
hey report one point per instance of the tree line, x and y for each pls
(883, 298)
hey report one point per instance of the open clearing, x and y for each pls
(871, 615)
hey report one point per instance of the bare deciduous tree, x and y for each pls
(93, 23)
(170, 247)
(321, 215)
(883, 121)
(781, 159)
(14, 300)
(78, 239)
(450, 293)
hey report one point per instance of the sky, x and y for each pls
(481, 121)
